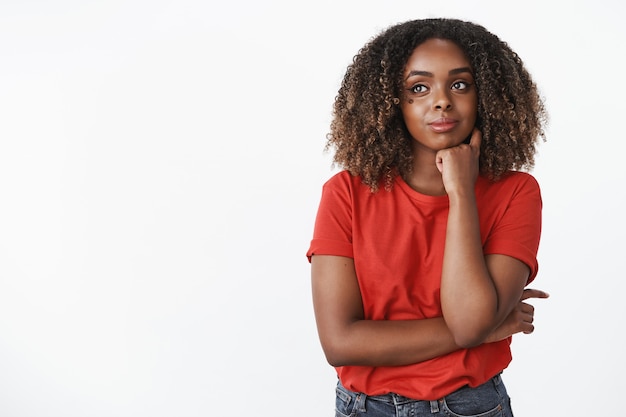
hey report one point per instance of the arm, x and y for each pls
(348, 339)
(477, 292)
(520, 319)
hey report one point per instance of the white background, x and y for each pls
(161, 163)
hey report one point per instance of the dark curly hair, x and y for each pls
(368, 132)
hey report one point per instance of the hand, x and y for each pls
(459, 165)
(520, 319)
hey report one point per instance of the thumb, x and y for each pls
(477, 138)
(439, 161)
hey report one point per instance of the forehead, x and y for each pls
(435, 54)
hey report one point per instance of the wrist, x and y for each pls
(462, 194)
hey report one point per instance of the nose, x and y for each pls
(441, 100)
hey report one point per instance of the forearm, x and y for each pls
(389, 342)
(468, 295)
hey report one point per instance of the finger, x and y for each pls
(529, 315)
(476, 139)
(439, 161)
(534, 293)
(527, 308)
(529, 329)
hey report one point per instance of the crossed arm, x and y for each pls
(482, 297)
(348, 339)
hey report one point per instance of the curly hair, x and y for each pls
(368, 132)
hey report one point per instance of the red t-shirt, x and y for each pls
(396, 239)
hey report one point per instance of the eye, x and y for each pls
(460, 85)
(418, 89)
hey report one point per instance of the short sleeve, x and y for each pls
(518, 232)
(332, 234)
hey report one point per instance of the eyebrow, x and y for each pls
(430, 74)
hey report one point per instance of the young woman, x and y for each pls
(425, 242)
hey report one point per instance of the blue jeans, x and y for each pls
(487, 400)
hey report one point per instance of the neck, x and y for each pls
(433, 187)
(425, 177)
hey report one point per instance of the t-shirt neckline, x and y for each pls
(416, 195)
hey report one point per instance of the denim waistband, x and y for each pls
(490, 394)
(398, 399)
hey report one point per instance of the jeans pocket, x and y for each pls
(487, 400)
(344, 402)
(472, 410)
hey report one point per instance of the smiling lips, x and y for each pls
(443, 124)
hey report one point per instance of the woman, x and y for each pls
(426, 240)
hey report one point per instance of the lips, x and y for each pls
(443, 124)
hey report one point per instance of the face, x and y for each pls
(439, 101)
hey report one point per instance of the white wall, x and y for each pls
(160, 168)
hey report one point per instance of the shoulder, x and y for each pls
(512, 186)
(511, 180)
(341, 177)
(522, 183)
(520, 177)
(345, 181)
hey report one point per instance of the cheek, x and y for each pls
(410, 115)
(472, 118)
(405, 109)
(471, 111)
(411, 109)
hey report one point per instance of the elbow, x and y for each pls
(470, 330)
(334, 361)
(335, 355)
(469, 336)
(340, 351)
(468, 341)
